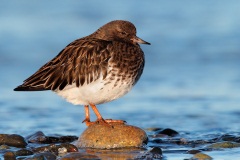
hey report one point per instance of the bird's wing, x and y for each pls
(82, 61)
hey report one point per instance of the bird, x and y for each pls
(93, 70)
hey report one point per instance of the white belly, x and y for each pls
(95, 92)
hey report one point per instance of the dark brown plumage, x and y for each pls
(111, 56)
(80, 61)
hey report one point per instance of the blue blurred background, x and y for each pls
(191, 81)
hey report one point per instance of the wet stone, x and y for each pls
(61, 139)
(23, 152)
(156, 150)
(36, 137)
(168, 132)
(193, 151)
(237, 140)
(224, 145)
(13, 140)
(57, 149)
(40, 137)
(201, 156)
(114, 136)
(9, 156)
(227, 137)
(69, 147)
(2, 147)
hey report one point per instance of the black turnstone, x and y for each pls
(94, 69)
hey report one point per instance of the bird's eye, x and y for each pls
(123, 33)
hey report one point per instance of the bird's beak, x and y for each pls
(139, 40)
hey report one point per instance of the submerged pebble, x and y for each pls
(201, 156)
(224, 145)
(193, 151)
(115, 136)
(2, 147)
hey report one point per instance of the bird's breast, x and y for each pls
(97, 92)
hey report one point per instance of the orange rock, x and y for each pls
(116, 136)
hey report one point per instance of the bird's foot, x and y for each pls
(107, 122)
(115, 121)
(87, 122)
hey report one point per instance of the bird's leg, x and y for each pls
(87, 115)
(99, 116)
(104, 121)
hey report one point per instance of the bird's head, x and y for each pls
(119, 30)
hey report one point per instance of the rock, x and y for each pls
(115, 136)
(36, 137)
(227, 137)
(55, 149)
(169, 132)
(23, 152)
(201, 156)
(62, 151)
(9, 156)
(2, 147)
(69, 147)
(224, 145)
(193, 151)
(40, 137)
(13, 140)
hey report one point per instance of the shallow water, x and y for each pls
(190, 83)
